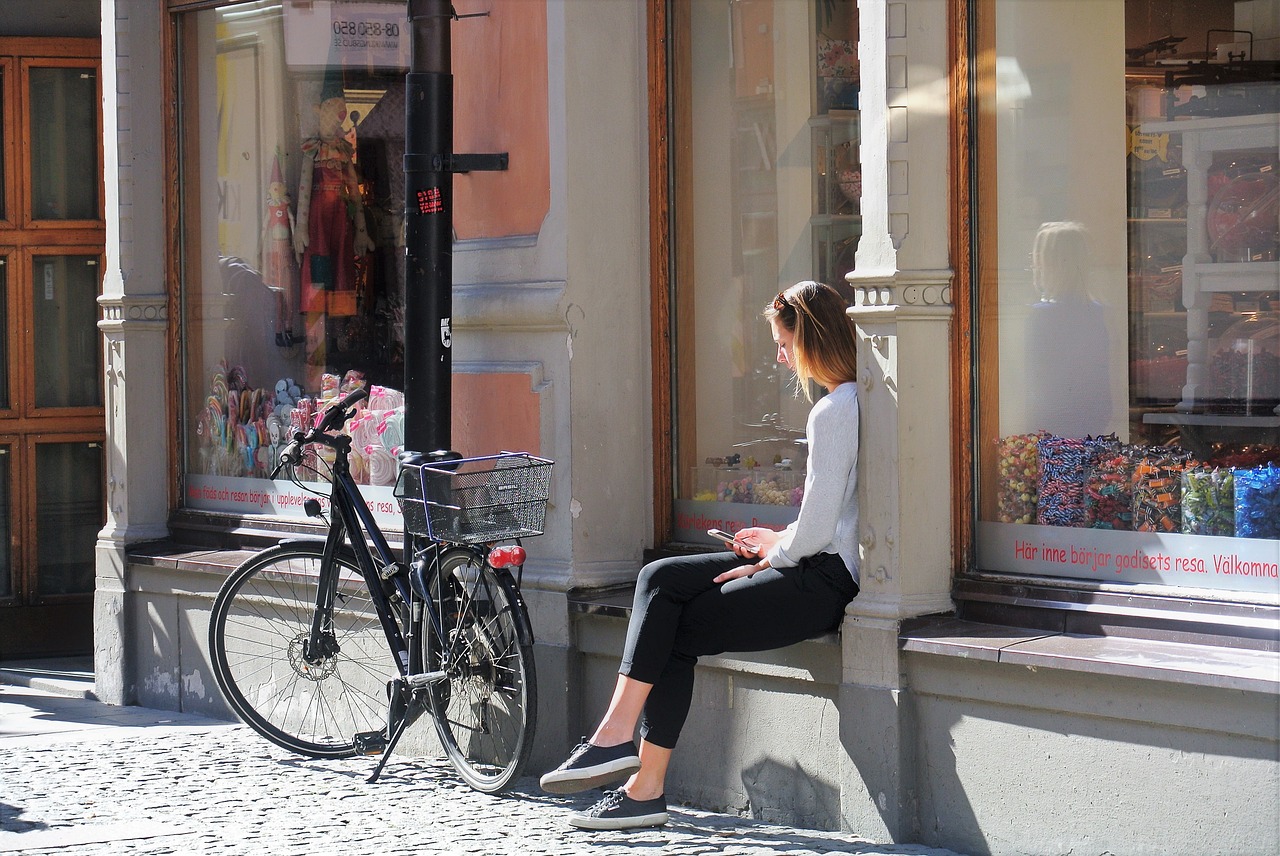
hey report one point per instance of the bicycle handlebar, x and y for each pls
(335, 416)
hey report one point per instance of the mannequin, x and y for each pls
(330, 233)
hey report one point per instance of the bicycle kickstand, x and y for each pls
(401, 713)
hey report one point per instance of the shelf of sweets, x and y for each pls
(1101, 483)
(758, 485)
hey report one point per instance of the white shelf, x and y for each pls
(1237, 276)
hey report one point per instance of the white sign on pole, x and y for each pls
(327, 33)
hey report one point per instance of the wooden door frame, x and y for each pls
(55, 623)
(660, 260)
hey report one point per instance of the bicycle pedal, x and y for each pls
(370, 742)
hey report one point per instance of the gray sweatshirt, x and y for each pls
(828, 521)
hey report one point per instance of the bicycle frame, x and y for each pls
(352, 520)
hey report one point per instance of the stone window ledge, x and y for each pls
(615, 601)
(1160, 660)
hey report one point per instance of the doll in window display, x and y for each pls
(330, 235)
(279, 270)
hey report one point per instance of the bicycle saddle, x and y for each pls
(440, 458)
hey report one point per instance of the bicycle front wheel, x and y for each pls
(312, 703)
(485, 710)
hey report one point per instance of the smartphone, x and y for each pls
(721, 534)
(728, 539)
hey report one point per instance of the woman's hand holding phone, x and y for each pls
(741, 546)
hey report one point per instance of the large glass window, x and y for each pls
(767, 193)
(292, 192)
(1128, 252)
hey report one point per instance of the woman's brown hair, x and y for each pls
(825, 345)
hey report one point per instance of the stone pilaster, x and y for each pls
(134, 324)
(903, 312)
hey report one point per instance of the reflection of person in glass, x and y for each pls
(278, 270)
(330, 232)
(774, 589)
(1068, 388)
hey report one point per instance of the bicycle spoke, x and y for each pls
(260, 626)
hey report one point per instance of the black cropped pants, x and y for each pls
(680, 614)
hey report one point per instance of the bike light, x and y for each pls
(506, 556)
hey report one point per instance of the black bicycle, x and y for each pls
(332, 648)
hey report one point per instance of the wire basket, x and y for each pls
(476, 500)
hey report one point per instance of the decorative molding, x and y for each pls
(921, 294)
(134, 312)
(528, 306)
(538, 381)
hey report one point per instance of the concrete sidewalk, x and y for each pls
(81, 777)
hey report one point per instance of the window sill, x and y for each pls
(1150, 659)
(1073, 608)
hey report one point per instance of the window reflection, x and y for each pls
(769, 193)
(294, 157)
(1129, 246)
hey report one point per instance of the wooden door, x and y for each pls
(52, 237)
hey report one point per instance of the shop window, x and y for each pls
(292, 146)
(292, 193)
(1128, 264)
(766, 192)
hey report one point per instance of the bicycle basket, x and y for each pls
(485, 499)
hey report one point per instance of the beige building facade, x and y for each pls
(1011, 678)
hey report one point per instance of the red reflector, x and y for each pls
(506, 556)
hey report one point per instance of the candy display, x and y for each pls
(736, 490)
(1157, 490)
(1108, 491)
(232, 428)
(1064, 465)
(242, 429)
(1018, 460)
(1208, 501)
(778, 488)
(1098, 482)
(1257, 502)
(735, 479)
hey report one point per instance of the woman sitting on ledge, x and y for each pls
(773, 589)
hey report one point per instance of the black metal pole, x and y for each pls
(428, 190)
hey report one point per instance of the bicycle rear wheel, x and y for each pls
(260, 621)
(485, 710)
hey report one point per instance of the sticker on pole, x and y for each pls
(430, 201)
(446, 332)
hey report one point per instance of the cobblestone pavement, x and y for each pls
(79, 777)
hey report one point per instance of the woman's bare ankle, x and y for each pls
(639, 789)
(607, 737)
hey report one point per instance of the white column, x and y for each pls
(134, 305)
(903, 311)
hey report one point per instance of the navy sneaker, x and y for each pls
(616, 810)
(590, 766)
